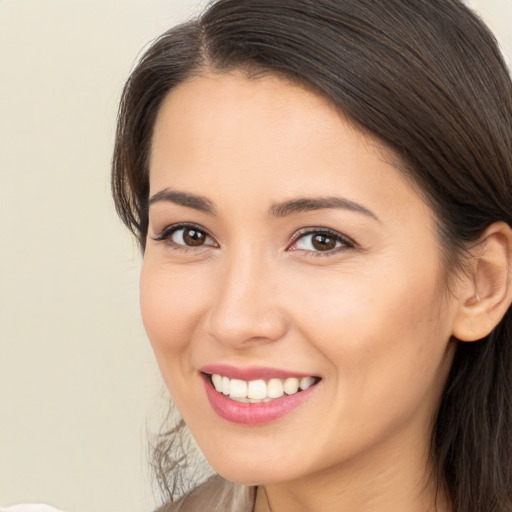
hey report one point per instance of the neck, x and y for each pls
(397, 480)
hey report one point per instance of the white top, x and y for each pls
(29, 507)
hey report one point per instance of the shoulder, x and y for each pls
(214, 495)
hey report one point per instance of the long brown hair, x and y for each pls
(426, 78)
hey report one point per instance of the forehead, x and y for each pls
(233, 99)
(201, 112)
(268, 137)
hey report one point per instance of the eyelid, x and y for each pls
(165, 234)
(347, 242)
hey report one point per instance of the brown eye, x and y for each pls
(185, 236)
(322, 242)
(192, 237)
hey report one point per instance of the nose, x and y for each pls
(245, 310)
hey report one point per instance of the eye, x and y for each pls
(320, 241)
(191, 237)
(185, 236)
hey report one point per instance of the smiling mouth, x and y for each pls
(260, 391)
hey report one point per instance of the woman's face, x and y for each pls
(285, 250)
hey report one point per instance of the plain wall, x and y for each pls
(78, 382)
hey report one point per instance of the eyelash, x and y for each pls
(346, 243)
(166, 234)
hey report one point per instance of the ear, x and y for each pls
(486, 291)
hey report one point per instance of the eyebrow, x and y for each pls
(183, 199)
(308, 204)
(278, 210)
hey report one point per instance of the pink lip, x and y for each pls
(252, 373)
(252, 414)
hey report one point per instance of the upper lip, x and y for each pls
(251, 373)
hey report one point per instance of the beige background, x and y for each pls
(77, 379)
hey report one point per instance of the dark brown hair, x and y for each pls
(426, 78)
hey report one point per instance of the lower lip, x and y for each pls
(253, 414)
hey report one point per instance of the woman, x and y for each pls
(323, 194)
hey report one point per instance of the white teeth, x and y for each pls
(217, 382)
(238, 388)
(275, 388)
(225, 386)
(291, 386)
(251, 400)
(256, 391)
(306, 382)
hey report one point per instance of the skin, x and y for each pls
(371, 317)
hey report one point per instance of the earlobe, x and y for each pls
(487, 291)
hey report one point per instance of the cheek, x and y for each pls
(171, 303)
(378, 331)
(388, 359)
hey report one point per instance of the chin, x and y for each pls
(247, 469)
